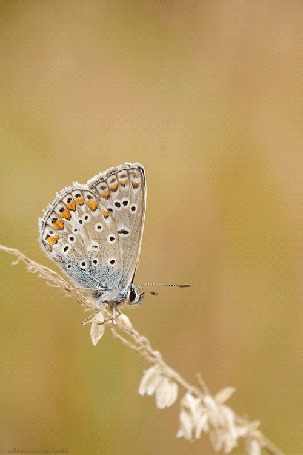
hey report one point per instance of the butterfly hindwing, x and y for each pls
(80, 235)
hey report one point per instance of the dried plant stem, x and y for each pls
(143, 347)
(125, 332)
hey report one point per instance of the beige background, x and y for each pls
(208, 96)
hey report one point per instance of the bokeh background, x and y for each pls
(208, 96)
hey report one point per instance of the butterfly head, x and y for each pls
(134, 295)
(115, 297)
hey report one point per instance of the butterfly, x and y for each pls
(94, 231)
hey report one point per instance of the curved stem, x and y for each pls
(125, 332)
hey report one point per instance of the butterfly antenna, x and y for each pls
(166, 285)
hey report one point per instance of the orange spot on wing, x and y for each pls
(52, 240)
(80, 200)
(105, 213)
(58, 224)
(71, 205)
(105, 194)
(66, 214)
(114, 187)
(123, 182)
(135, 185)
(92, 205)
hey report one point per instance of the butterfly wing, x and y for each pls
(122, 191)
(81, 236)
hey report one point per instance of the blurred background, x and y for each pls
(208, 96)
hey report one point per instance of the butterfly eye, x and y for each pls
(134, 295)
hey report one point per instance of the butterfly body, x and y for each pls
(94, 231)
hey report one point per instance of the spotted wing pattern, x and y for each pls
(94, 231)
(122, 190)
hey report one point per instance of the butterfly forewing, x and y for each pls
(123, 192)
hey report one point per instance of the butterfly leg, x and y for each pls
(115, 314)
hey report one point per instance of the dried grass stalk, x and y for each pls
(200, 412)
